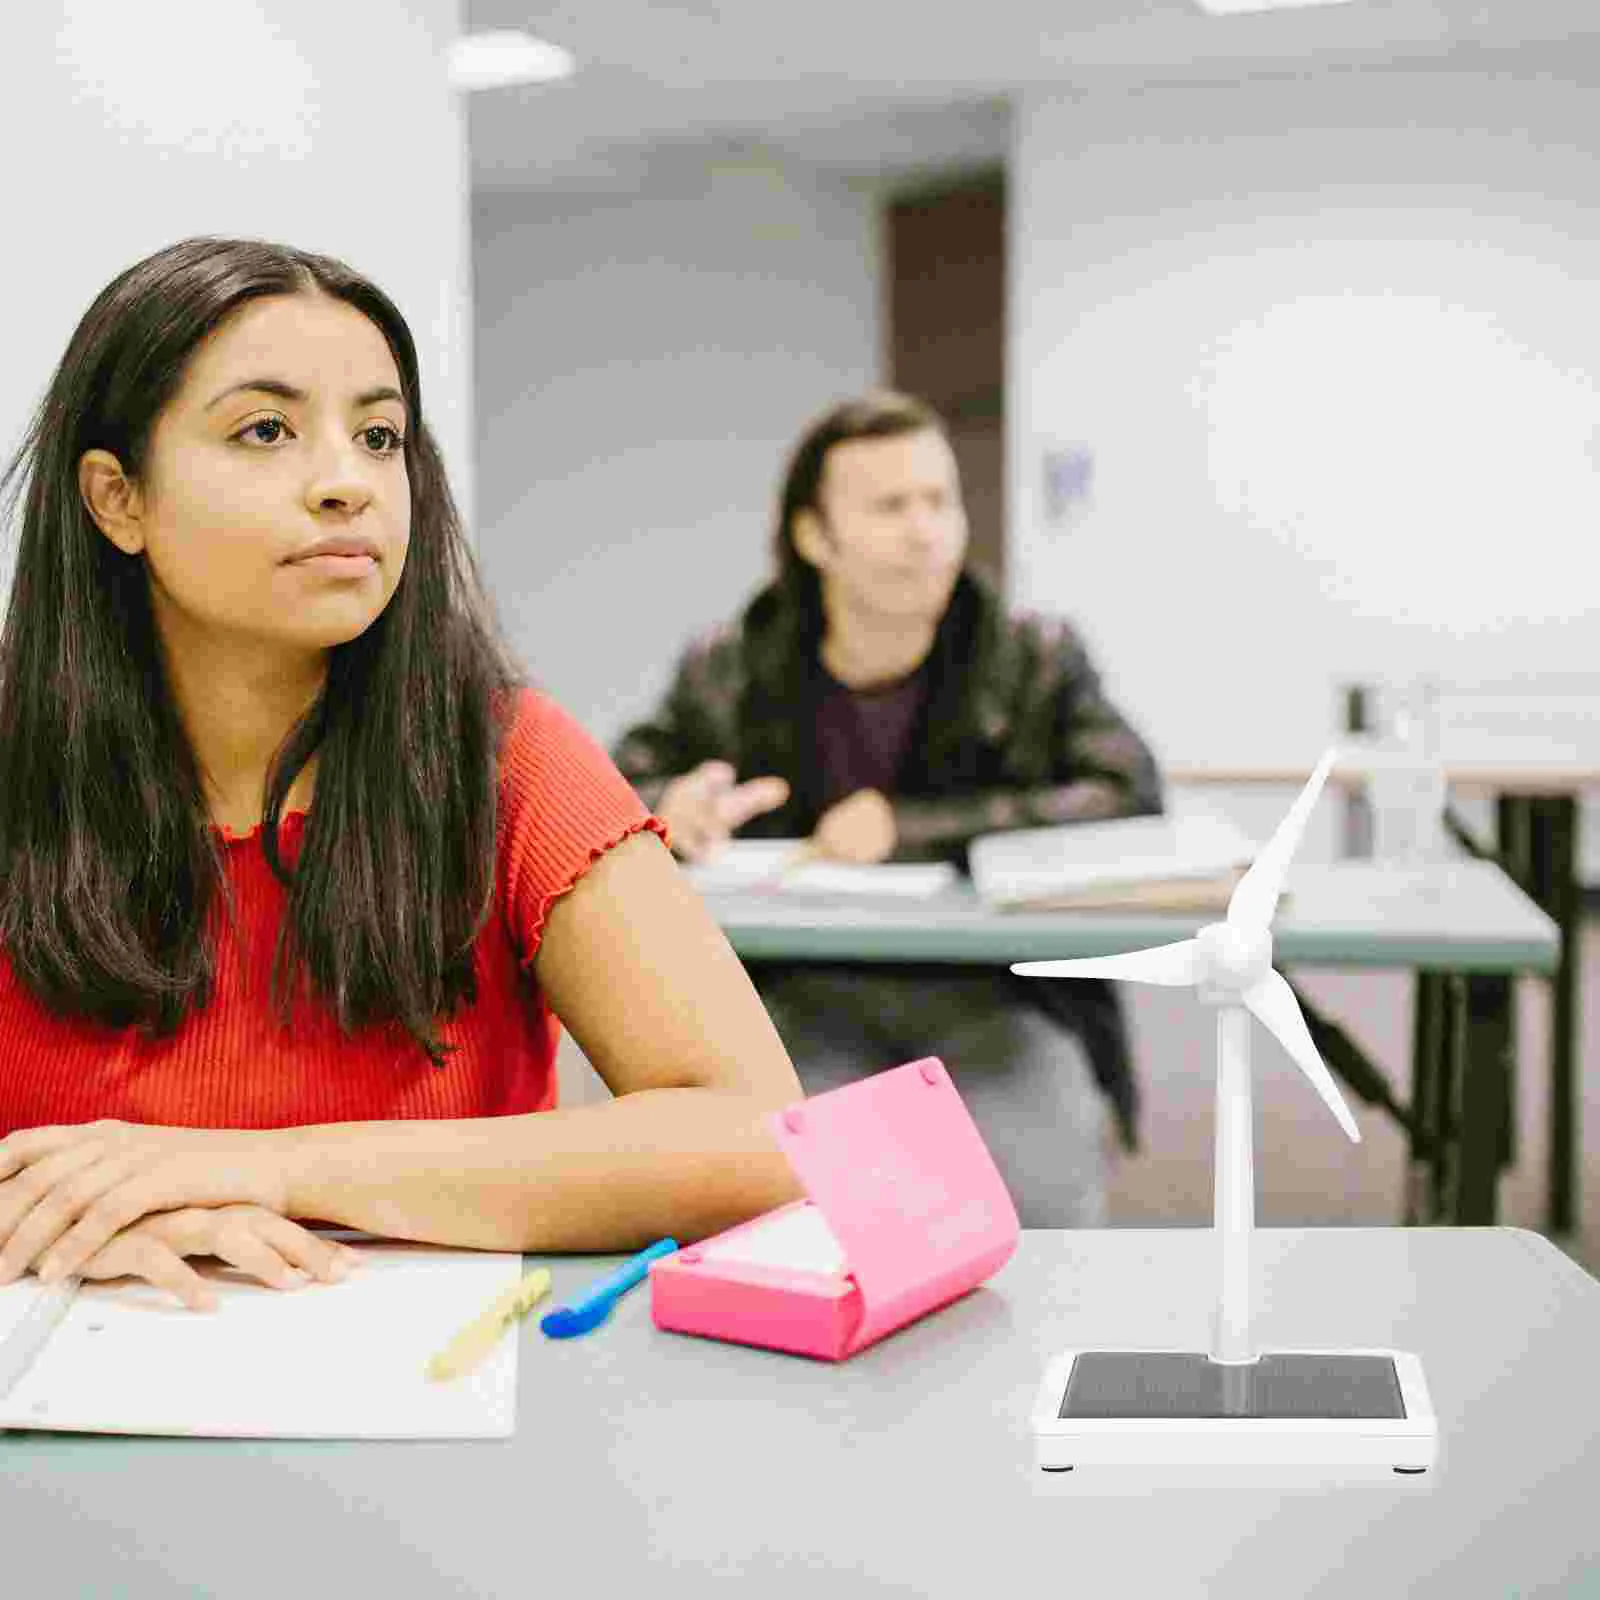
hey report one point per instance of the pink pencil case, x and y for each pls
(906, 1212)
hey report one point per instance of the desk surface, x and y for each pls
(1480, 775)
(1462, 915)
(644, 1456)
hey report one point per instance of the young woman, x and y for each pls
(296, 877)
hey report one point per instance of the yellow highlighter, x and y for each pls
(480, 1336)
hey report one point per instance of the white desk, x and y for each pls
(645, 1460)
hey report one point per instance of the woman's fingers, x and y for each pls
(270, 1248)
(241, 1246)
(44, 1199)
(141, 1253)
(118, 1191)
(326, 1259)
(277, 1251)
(162, 1266)
(26, 1146)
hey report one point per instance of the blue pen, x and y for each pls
(595, 1306)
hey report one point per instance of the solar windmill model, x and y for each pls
(1235, 1404)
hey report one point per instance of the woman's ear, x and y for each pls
(112, 499)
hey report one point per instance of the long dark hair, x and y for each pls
(110, 871)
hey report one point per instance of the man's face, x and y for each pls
(890, 531)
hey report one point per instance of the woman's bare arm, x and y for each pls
(648, 986)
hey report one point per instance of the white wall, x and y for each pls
(328, 127)
(1334, 346)
(644, 361)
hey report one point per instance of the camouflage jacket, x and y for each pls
(1016, 732)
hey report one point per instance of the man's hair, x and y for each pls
(110, 872)
(878, 414)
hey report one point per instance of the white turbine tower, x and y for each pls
(1230, 964)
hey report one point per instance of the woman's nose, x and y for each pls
(340, 481)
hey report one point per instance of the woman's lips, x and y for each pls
(353, 565)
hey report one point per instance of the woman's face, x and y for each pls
(274, 506)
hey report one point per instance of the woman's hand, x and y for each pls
(280, 1253)
(66, 1192)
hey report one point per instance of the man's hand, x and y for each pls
(859, 828)
(281, 1253)
(67, 1191)
(703, 807)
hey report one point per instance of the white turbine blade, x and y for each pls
(1255, 897)
(1167, 963)
(1272, 1001)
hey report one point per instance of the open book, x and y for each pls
(767, 865)
(1187, 862)
(326, 1361)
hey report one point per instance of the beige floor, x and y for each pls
(1307, 1172)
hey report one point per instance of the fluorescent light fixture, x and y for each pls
(1235, 8)
(502, 57)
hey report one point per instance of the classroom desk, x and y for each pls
(647, 1457)
(1536, 802)
(1463, 918)
(1464, 915)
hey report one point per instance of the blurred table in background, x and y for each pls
(1536, 798)
(1463, 918)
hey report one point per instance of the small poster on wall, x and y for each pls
(1068, 479)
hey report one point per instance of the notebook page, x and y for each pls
(17, 1301)
(30, 1312)
(1034, 863)
(800, 1239)
(753, 864)
(901, 880)
(328, 1361)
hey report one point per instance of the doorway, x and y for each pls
(946, 303)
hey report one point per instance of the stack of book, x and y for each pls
(1187, 862)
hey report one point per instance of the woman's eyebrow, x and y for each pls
(287, 391)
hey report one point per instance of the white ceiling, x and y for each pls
(885, 88)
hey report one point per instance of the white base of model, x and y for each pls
(1161, 1434)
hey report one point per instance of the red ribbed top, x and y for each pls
(232, 1065)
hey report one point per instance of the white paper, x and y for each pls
(17, 1301)
(1034, 863)
(799, 1239)
(29, 1314)
(327, 1361)
(759, 864)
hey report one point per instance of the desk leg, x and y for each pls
(1427, 1042)
(1448, 1064)
(1484, 1044)
(1539, 847)
(1515, 854)
(1554, 840)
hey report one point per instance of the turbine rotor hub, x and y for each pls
(1235, 958)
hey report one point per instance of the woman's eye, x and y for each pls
(264, 430)
(381, 439)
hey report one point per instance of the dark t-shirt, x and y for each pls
(863, 735)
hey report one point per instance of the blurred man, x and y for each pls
(879, 698)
